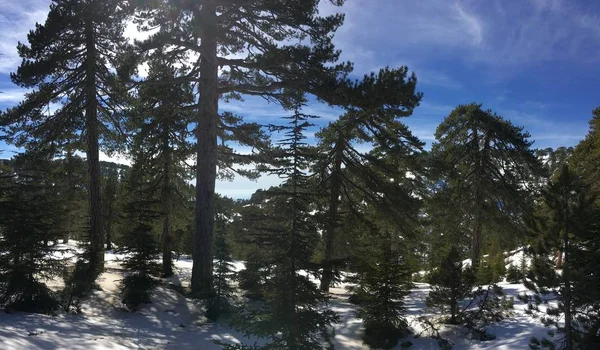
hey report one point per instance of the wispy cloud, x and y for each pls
(491, 32)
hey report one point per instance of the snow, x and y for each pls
(172, 321)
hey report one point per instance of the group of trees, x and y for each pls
(365, 202)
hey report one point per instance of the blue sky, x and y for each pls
(535, 62)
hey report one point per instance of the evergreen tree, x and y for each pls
(72, 184)
(30, 217)
(69, 61)
(485, 162)
(162, 147)
(386, 97)
(381, 283)
(292, 315)
(273, 64)
(224, 270)
(571, 222)
(450, 284)
(109, 197)
(586, 156)
(455, 294)
(139, 243)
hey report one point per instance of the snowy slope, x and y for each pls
(174, 322)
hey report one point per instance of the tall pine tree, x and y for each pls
(70, 61)
(30, 217)
(280, 44)
(161, 145)
(292, 316)
(380, 100)
(484, 163)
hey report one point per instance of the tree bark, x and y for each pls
(477, 237)
(96, 258)
(206, 167)
(167, 255)
(109, 224)
(332, 217)
(167, 195)
(70, 197)
(567, 279)
(476, 242)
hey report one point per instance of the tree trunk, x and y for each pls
(109, 225)
(476, 243)
(559, 258)
(70, 197)
(206, 167)
(167, 249)
(96, 258)
(167, 237)
(477, 237)
(567, 282)
(332, 218)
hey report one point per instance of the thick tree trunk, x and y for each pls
(332, 218)
(96, 258)
(206, 169)
(477, 237)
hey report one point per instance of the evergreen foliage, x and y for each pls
(161, 145)
(457, 296)
(292, 314)
(570, 225)
(381, 285)
(485, 162)
(30, 218)
(450, 284)
(372, 117)
(70, 59)
(139, 244)
(224, 271)
(285, 51)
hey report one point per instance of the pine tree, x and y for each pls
(266, 35)
(30, 217)
(291, 316)
(69, 61)
(72, 185)
(386, 97)
(224, 271)
(109, 194)
(456, 295)
(586, 156)
(162, 147)
(450, 284)
(139, 244)
(571, 223)
(382, 282)
(484, 161)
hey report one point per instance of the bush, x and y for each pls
(137, 289)
(450, 284)
(31, 296)
(382, 338)
(514, 274)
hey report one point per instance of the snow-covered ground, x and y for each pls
(174, 322)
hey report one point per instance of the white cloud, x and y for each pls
(489, 33)
(11, 96)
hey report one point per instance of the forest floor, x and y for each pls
(172, 321)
